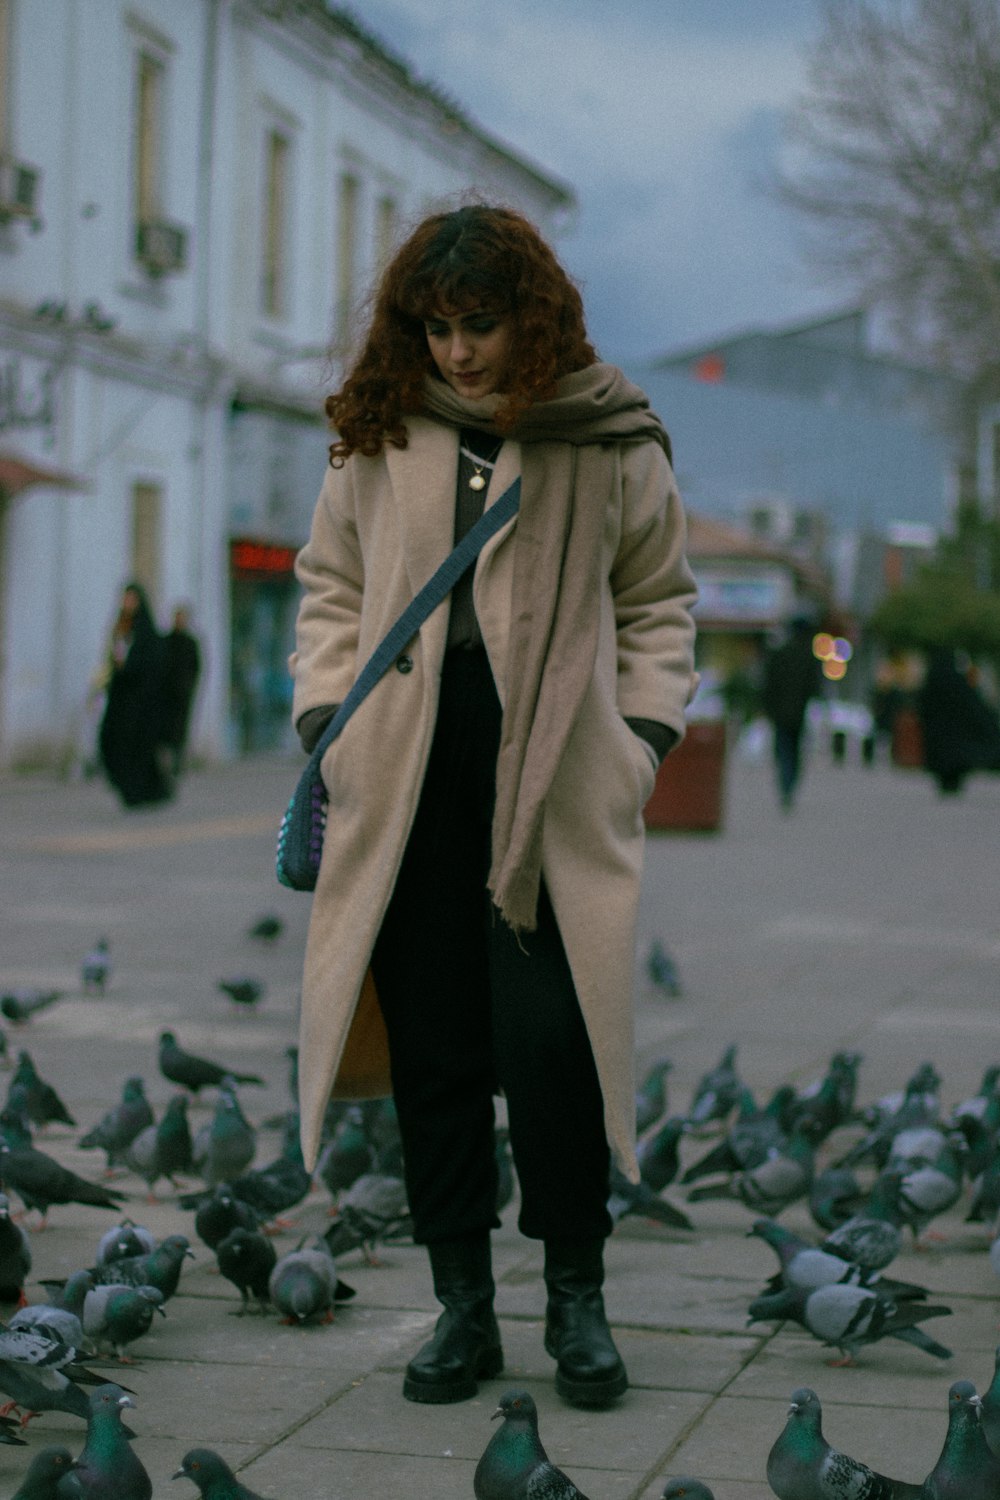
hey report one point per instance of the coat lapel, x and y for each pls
(423, 477)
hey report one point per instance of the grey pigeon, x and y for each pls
(967, 1469)
(658, 1153)
(193, 1072)
(41, 1375)
(802, 1466)
(683, 1488)
(163, 1149)
(806, 1266)
(15, 1255)
(651, 1096)
(717, 1092)
(41, 1482)
(95, 970)
(514, 1465)
(748, 1142)
(835, 1196)
(160, 1268)
(872, 1237)
(372, 1208)
(21, 1004)
(661, 971)
(849, 1317)
(123, 1240)
(39, 1181)
(230, 1141)
(243, 989)
(108, 1468)
(989, 1410)
(117, 1129)
(349, 1153)
(267, 928)
(213, 1476)
(35, 1096)
(304, 1285)
(116, 1316)
(932, 1188)
(636, 1198)
(782, 1178)
(221, 1212)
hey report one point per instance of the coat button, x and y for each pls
(404, 663)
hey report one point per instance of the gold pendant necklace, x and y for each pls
(477, 482)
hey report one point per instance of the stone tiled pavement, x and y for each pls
(869, 918)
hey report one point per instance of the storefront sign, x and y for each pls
(256, 559)
(734, 596)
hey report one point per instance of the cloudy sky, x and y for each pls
(665, 117)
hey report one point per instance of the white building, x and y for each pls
(194, 197)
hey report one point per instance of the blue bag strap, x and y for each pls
(423, 603)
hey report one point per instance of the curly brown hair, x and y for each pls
(477, 256)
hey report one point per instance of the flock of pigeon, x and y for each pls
(888, 1171)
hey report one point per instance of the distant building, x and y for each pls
(194, 198)
(810, 438)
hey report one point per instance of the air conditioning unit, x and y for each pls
(161, 247)
(18, 188)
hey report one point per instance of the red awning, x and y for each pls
(16, 474)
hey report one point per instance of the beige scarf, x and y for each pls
(569, 473)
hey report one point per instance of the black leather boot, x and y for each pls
(589, 1369)
(466, 1343)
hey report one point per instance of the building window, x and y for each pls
(348, 202)
(147, 506)
(147, 149)
(274, 271)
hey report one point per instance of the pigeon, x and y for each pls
(919, 1104)
(52, 1322)
(40, 1374)
(872, 1237)
(804, 1267)
(39, 1181)
(221, 1212)
(967, 1469)
(41, 1482)
(246, 1257)
(36, 1098)
(682, 1488)
(636, 1198)
(123, 1240)
(213, 1476)
(164, 1149)
(160, 1268)
(373, 1208)
(117, 1129)
(835, 1196)
(390, 1162)
(115, 1316)
(830, 1103)
(984, 1105)
(661, 971)
(348, 1155)
(43, 1475)
(658, 1153)
(304, 1285)
(989, 1410)
(21, 1004)
(849, 1317)
(243, 989)
(749, 1140)
(195, 1073)
(930, 1190)
(108, 1468)
(269, 1190)
(514, 1465)
(95, 971)
(229, 1143)
(802, 1466)
(15, 1256)
(782, 1178)
(717, 1092)
(267, 928)
(651, 1096)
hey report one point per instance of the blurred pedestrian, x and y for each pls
(182, 663)
(130, 738)
(484, 847)
(792, 677)
(961, 731)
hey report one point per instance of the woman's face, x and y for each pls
(470, 350)
(130, 602)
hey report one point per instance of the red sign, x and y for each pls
(248, 557)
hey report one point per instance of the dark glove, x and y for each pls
(312, 723)
(659, 737)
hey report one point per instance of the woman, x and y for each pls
(130, 735)
(484, 842)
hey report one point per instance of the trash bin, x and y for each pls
(689, 791)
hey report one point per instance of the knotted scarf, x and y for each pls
(569, 473)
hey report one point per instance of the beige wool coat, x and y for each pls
(381, 527)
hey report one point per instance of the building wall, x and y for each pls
(185, 380)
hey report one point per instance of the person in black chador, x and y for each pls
(792, 676)
(131, 733)
(183, 664)
(961, 731)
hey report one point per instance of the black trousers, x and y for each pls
(470, 1008)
